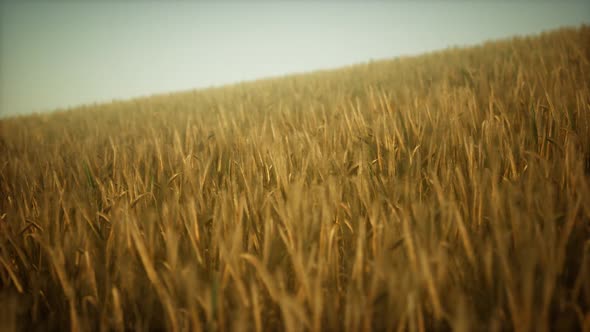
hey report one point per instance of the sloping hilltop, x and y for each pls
(449, 191)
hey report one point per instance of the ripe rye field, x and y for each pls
(448, 191)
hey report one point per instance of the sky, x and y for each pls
(63, 54)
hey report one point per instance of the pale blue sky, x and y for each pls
(55, 55)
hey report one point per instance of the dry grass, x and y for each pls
(445, 191)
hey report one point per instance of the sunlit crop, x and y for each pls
(445, 191)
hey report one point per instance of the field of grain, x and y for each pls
(448, 191)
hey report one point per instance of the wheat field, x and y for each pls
(447, 191)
